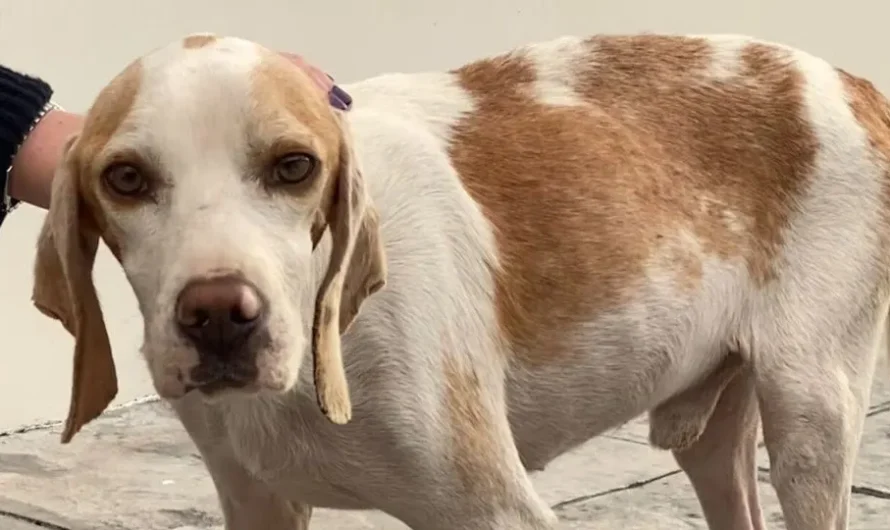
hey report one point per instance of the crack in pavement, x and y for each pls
(627, 439)
(871, 492)
(29, 428)
(880, 408)
(866, 491)
(631, 486)
(49, 424)
(39, 523)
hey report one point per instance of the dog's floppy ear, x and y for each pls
(356, 270)
(64, 290)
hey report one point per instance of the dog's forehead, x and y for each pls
(199, 62)
(215, 84)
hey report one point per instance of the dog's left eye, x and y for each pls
(126, 180)
(294, 168)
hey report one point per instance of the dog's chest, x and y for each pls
(298, 458)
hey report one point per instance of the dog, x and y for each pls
(412, 305)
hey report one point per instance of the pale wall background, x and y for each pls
(78, 45)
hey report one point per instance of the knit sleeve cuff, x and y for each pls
(22, 100)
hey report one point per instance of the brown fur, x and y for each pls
(472, 433)
(660, 146)
(283, 110)
(64, 290)
(193, 42)
(291, 113)
(102, 122)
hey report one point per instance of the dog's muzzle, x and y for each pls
(225, 320)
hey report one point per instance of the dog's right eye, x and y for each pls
(126, 180)
(294, 168)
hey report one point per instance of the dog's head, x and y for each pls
(212, 168)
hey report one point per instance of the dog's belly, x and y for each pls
(551, 414)
(619, 367)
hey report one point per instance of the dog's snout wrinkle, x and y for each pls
(219, 315)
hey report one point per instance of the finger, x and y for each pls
(337, 96)
(320, 78)
(294, 58)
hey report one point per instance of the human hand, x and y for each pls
(336, 95)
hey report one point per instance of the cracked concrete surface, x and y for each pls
(135, 469)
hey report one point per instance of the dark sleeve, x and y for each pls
(22, 99)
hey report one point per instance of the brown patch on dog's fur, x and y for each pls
(291, 113)
(872, 110)
(111, 108)
(194, 42)
(103, 120)
(581, 197)
(473, 437)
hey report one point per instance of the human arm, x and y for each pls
(31, 175)
(24, 101)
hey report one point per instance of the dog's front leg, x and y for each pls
(247, 502)
(489, 488)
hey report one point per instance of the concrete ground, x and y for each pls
(135, 469)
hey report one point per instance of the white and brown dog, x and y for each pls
(515, 256)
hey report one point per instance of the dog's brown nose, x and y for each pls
(218, 315)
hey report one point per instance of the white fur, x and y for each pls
(557, 63)
(726, 61)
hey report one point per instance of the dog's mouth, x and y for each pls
(211, 378)
(213, 388)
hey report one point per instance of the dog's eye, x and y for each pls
(294, 168)
(125, 179)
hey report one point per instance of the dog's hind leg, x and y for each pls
(813, 385)
(721, 462)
